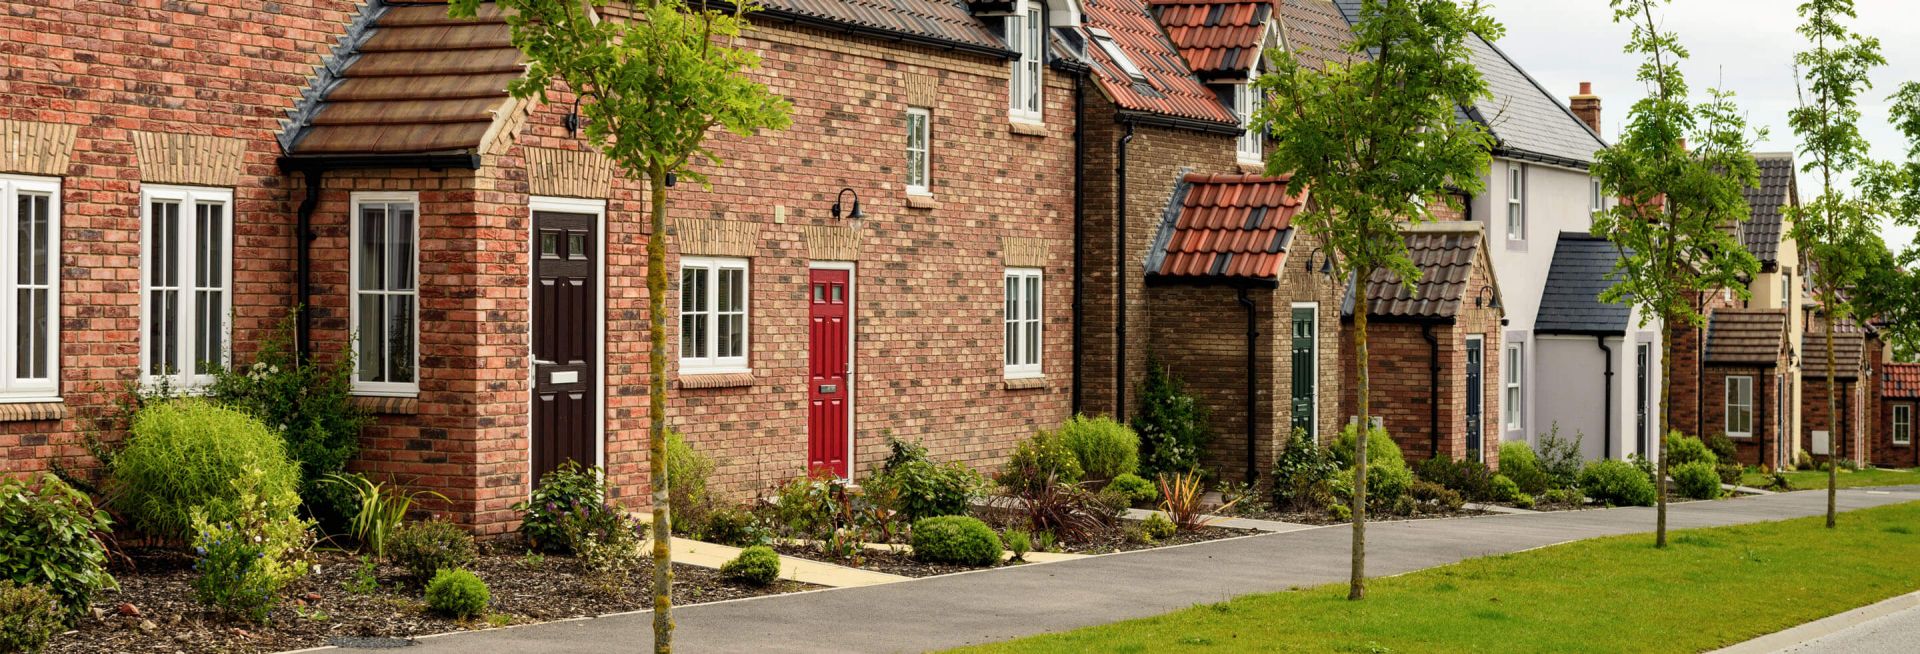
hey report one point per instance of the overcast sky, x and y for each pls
(1745, 46)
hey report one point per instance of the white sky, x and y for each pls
(1745, 46)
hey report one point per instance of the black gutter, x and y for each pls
(1606, 405)
(831, 25)
(315, 168)
(1079, 229)
(1535, 157)
(1433, 390)
(1120, 279)
(1176, 122)
(1253, 337)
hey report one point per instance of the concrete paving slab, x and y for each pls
(1006, 603)
(711, 555)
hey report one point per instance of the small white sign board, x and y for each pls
(1820, 445)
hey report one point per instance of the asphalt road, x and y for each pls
(1001, 604)
(1898, 633)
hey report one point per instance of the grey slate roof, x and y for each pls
(1527, 121)
(1570, 304)
(1778, 189)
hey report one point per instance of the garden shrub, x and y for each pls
(1697, 480)
(1105, 449)
(806, 507)
(917, 487)
(732, 525)
(1518, 462)
(1503, 489)
(1803, 461)
(1723, 448)
(1730, 473)
(429, 546)
(957, 539)
(1067, 512)
(311, 407)
(249, 550)
(1172, 425)
(565, 491)
(1434, 498)
(1386, 484)
(1560, 458)
(1563, 496)
(1644, 465)
(1158, 527)
(186, 453)
(1018, 543)
(49, 538)
(1134, 488)
(1037, 459)
(608, 542)
(1302, 473)
(1523, 501)
(457, 593)
(1617, 483)
(30, 615)
(757, 565)
(1472, 478)
(1380, 447)
(1683, 449)
(687, 471)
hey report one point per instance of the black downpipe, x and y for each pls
(303, 261)
(1433, 389)
(1253, 338)
(1079, 228)
(1606, 416)
(1120, 281)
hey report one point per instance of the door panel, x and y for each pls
(1475, 400)
(1305, 371)
(565, 316)
(1640, 411)
(830, 316)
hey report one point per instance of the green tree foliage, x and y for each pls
(1836, 231)
(1679, 169)
(1376, 141)
(652, 85)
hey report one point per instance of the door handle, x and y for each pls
(829, 388)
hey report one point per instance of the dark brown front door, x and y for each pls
(565, 316)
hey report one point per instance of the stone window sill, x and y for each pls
(387, 405)
(1025, 383)
(1024, 128)
(1252, 168)
(32, 411)
(716, 380)
(922, 201)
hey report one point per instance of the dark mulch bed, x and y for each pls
(1116, 540)
(525, 590)
(901, 561)
(893, 563)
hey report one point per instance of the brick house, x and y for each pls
(1745, 351)
(1899, 397)
(1432, 345)
(1857, 353)
(487, 267)
(1174, 205)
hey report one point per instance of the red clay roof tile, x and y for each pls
(1227, 226)
(1169, 87)
(1901, 380)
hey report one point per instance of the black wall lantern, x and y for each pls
(1325, 260)
(855, 214)
(1488, 299)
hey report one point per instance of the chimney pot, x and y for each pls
(1586, 88)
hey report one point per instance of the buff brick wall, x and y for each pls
(226, 69)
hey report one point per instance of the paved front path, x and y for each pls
(1007, 603)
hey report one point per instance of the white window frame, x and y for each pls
(12, 387)
(187, 321)
(713, 363)
(1021, 310)
(1516, 202)
(1250, 147)
(383, 388)
(1599, 196)
(1512, 381)
(1738, 385)
(920, 125)
(1902, 424)
(1026, 35)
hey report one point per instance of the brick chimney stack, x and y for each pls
(1586, 105)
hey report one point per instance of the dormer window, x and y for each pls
(1026, 36)
(1247, 101)
(1105, 40)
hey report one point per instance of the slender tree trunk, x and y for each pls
(657, 414)
(1666, 420)
(1363, 433)
(1834, 437)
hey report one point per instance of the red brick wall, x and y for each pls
(225, 68)
(1885, 452)
(1814, 406)
(1760, 448)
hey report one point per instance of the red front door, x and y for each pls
(829, 355)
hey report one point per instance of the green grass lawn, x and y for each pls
(1812, 479)
(1710, 588)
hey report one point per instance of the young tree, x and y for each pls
(652, 84)
(1832, 229)
(1671, 226)
(1374, 141)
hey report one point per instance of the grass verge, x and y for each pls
(1817, 479)
(1710, 588)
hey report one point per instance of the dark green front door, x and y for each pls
(1305, 369)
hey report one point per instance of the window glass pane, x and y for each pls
(160, 332)
(1033, 297)
(399, 250)
(400, 338)
(732, 290)
(210, 252)
(372, 338)
(1033, 343)
(208, 328)
(687, 347)
(1013, 343)
(373, 230)
(549, 244)
(733, 335)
